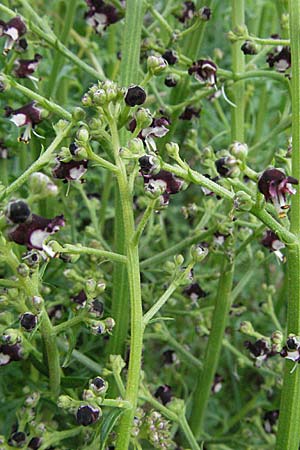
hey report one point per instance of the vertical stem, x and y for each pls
(129, 74)
(52, 352)
(238, 65)
(213, 349)
(288, 431)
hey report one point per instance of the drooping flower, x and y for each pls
(164, 394)
(12, 30)
(34, 232)
(275, 185)
(100, 15)
(70, 171)
(187, 12)
(171, 57)
(260, 350)
(28, 115)
(271, 241)
(135, 95)
(189, 113)
(24, 68)
(87, 415)
(280, 59)
(194, 292)
(166, 183)
(157, 129)
(204, 71)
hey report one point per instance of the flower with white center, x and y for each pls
(24, 68)
(12, 30)
(271, 241)
(204, 71)
(70, 171)
(28, 115)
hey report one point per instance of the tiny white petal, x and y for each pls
(13, 33)
(19, 119)
(37, 238)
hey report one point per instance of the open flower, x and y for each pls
(10, 352)
(87, 415)
(205, 71)
(189, 113)
(12, 30)
(164, 394)
(280, 59)
(275, 185)
(34, 232)
(157, 129)
(271, 241)
(166, 183)
(24, 68)
(101, 15)
(194, 292)
(28, 115)
(171, 57)
(188, 12)
(292, 349)
(260, 350)
(70, 171)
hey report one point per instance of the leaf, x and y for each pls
(108, 424)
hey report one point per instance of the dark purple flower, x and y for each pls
(166, 182)
(205, 13)
(292, 349)
(35, 443)
(188, 11)
(13, 30)
(28, 115)
(226, 166)
(171, 81)
(171, 57)
(17, 439)
(249, 48)
(80, 299)
(205, 71)
(70, 171)
(148, 164)
(260, 350)
(164, 393)
(280, 60)
(18, 211)
(10, 352)
(169, 357)
(98, 385)
(87, 415)
(97, 308)
(157, 129)
(270, 419)
(101, 15)
(275, 185)
(28, 321)
(24, 68)
(219, 238)
(35, 231)
(135, 95)
(189, 113)
(194, 292)
(217, 383)
(271, 241)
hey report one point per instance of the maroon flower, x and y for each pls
(157, 129)
(187, 12)
(217, 383)
(249, 48)
(28, 115)
(271, 241)
(171, 81)
(13, 30)
(189, 113)
(280, 60)
(87, 415)
(35, 231)
(226, 166)
(10, 353)
(171, 57)
(80, 299)
(164, 393)
(205, 71)
(24, 68)
(35, 443)
(260, 350)
(275, 185)
(101, 15)
(292, 349)
(28, 321)
(166, 182)
(270, 419)
(169, 357)
(194, 292)
(70, 171)
(148, 164)
(135, 95)
(205, 13)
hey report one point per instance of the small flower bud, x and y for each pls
(246, 328)
(28, 321)
(199, 252)
(173, 150)
(135, 95)
(86, 100)
(98, 385)
(136, 146)
(179, 260)
(41, 185)
(249, 48)
(242, 201)
(171, 80)
(11, 336)
(277, 337)
(78, 114)
(156, 64)
(143, 118)
(109, 324)
(82, 135)
(239, 150)
(88, 395)
(17, 211)
(205, 13)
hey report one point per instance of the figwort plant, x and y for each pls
(149, 219)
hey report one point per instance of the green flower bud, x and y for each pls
(41, 185)
(99, 97)
(242, 201)
(117, 363)
(136, 146)
(179, 260)
(66, 402)
(82, 135)
(88, 394)
(23, 270)
(155, 188)
(277, 337)
(198, 252)
(78, 114)
(143, 118)
(239, 150)
(156, 64)
(11, 336)
(247, 328)
(173, 150)
(109, 324)
(86, 100)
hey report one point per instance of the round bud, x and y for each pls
(171, 80)
(156, 64)
(98, 385)
(246, 328)
(78, 114)
(17, 211)
(28, 321)
(135, 95)
(199, 252)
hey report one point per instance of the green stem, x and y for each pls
(49, 338)
(213, 349)
(143, 222)
(288, 436)
(81, 250)
(69, 324)
(39, 163)
(57, 61)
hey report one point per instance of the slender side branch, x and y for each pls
(81, 250)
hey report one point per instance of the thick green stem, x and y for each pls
(238, 65)
(49, 338)
(288, 436)
(213, 349)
